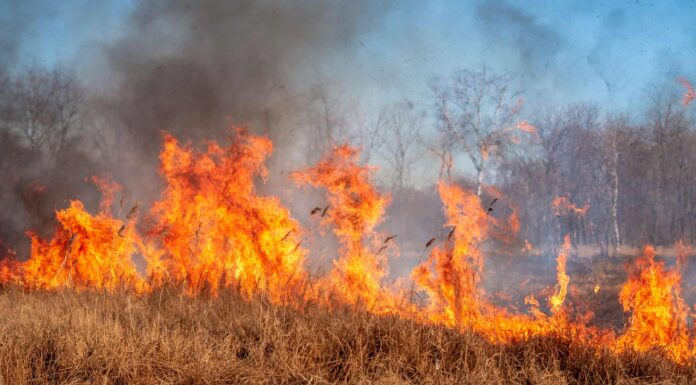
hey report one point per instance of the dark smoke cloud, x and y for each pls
(192, 67)
(186, 66)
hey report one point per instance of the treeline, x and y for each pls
(635, 181)
(569, 170)
(576, 170)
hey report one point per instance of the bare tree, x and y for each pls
(442, 146)
(403, 124)
(668, 128)
(368, 133)
(326, 119)
(45, 108)
(614, 133)
(478, 109)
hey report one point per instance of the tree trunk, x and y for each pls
(615, 193)
(479, 179)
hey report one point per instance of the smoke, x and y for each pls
(535, 44)
(193, 68)
(186, 67)
(189, 68)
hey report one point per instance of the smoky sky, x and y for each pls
(192, 67)
(187, 67)
(609, 53)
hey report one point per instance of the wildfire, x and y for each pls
(211, 229)
(525, 126)
(452, 275)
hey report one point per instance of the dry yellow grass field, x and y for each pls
(168, 338)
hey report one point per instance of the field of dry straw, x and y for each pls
(169, 338)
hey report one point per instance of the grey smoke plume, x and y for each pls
(192, 68)
(186, 66)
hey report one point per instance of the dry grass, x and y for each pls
(166, 338)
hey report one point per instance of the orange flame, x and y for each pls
(86, 251)
(563, 205)
(355, 208)
(556, 300)
(214, 228)
(525, 126)
(211, 230)
(658, 313)
(689, 94)
(451, 275)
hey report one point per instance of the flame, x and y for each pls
(87, 251)
(652, 294)
(215, 230)
(689, 94)
(525, 126)
(10, 271)
(451, 275)
(355, 209)
(556, 300)
(211, 229)
(563, 205)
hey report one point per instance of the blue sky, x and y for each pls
(55, 32)
(611, 53)
(607, 52)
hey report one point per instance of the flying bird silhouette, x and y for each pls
(430, 243)
(389, 238)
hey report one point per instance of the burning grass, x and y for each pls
(237, 261)
(166, 336)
